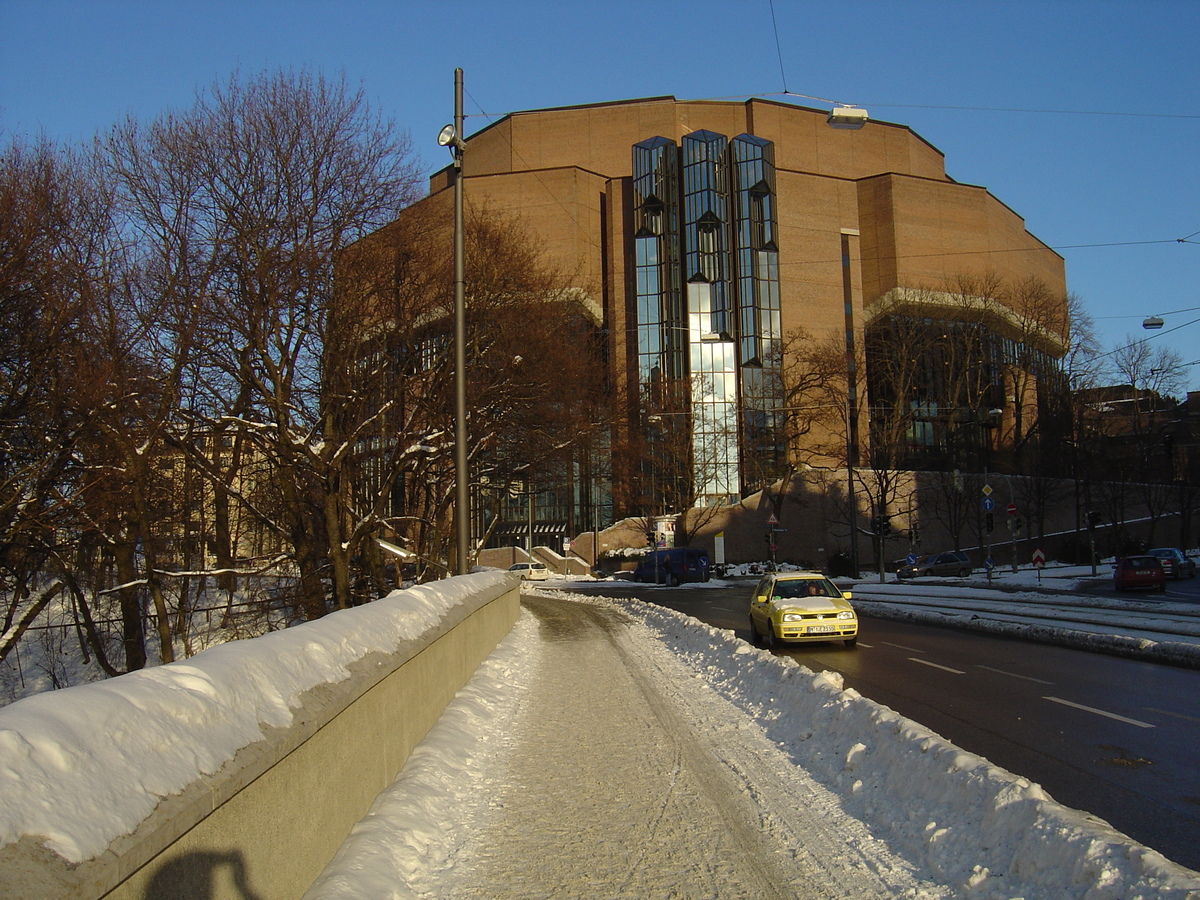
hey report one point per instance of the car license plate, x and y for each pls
(820, 629)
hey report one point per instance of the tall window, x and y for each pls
(763, 448)
(708, 358)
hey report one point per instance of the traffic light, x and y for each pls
(881, 526)
(1093, 519)
(990, 523)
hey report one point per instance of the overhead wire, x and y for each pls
(778, 49)
(1058, 112)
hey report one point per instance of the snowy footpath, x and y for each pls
(616, 749)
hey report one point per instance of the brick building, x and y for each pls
(702, 232)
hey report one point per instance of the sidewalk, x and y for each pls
(620, 776)
(617, 749)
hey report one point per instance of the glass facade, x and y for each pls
(661, 333)
(764, 450)
(708, 355)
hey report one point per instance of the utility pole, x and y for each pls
(462, 497)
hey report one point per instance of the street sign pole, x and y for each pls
(988, 505)
(1012, 530)
(1039, 562)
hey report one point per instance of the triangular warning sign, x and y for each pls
(772, 520)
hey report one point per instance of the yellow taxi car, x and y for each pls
(789, 607)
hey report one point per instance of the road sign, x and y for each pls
(989, 564)
(1039, 558)
(772, 520)
(987, 490)
(1012, 509)
(989, 504)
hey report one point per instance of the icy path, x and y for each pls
(615, 772)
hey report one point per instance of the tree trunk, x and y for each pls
(133, 634)
(20, 624)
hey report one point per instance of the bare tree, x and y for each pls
(246, 200)
(53, 230)
(1153, 375)
(535, 371)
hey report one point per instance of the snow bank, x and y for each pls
(987, 832)
(1110, 640)
(83, 766)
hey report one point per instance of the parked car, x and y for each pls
(951, 562)
(793, 607)
(1175, 562)
(531, 571)
(673, 566)
(1143, 571)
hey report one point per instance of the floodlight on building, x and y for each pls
(851, 117)
(1152, 323)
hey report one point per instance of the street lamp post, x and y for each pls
(451, 136)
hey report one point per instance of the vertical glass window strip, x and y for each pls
(660, 323)
(707, 269)
(714, 403)
(706, 218)
(763, 439)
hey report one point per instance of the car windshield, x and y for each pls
(806, 587)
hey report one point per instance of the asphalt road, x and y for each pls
(1111, 736)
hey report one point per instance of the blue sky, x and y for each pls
(1081, 115)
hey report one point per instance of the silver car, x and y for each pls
(531, 571)
(1175, 561)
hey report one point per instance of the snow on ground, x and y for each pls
(621, 775)
(1056, 605)
(959, 821)
(84, 765)
(1060, 606)
(963, 827)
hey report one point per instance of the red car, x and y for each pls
(1133, 572)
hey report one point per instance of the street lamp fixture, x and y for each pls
(847, 117)
(1152, 323)
(448, 137)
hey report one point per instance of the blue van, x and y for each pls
(673, 566)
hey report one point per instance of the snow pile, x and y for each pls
(84, 765)
(417, 824)
(980, 828)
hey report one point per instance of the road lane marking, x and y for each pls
(1099, 712)
(902, 647)
(934, 665)
(1167, 712)
(868, 646)
(1014, 675)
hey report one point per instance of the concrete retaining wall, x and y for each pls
(268, 822)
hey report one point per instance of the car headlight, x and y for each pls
(846, 614)
(792, 617)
